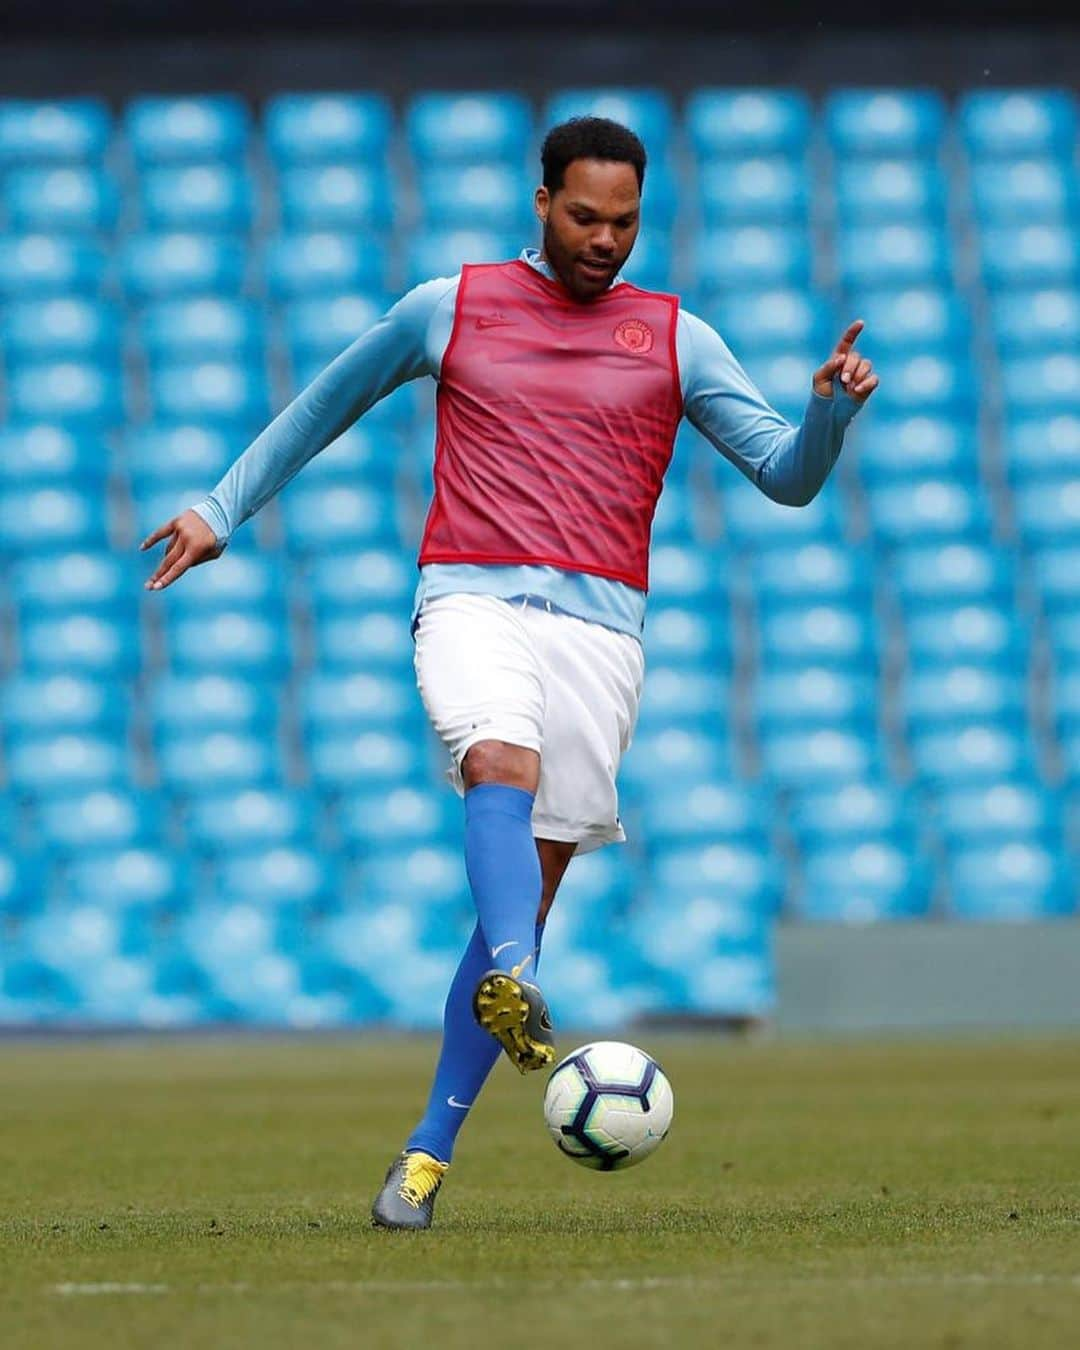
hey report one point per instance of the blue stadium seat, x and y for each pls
(79, 644)
(752, 257)
(753, 521)
(813, 696)
(647, 112)
(898, 256)
(301, 128)
(428, 877)
(680, 695)
(36, 992)
(727, 871)
(1056, 570)
(708, 812)
(1010, 881)
(738, 986)
(951, 696)
(51, 704)
(336, 197)
(1038, 446)
(100, 820)
(230, 392)
(1025, 321)
(475, 197)
(797, 760)
(440, 253)
(202, 329)
(1049, 512)
(75, 393)
(973, 634)
(951, 574)
(64, 326)
(157, 455)
(283, 875)
(867, 810)
(783, 376)
(1064, 633)
(884, 122)
(239, 581)
(1017, 122)
(161, 266)
(323, 327)
(1024, 191)
(67, 761)
(374, 819)
(997, 811)
(321, 263)
(770, 319)
(248, 819)
(188, 760)
(688, 637)
(363, 639)
(971, 754)
(1046, 383)
(1065, 688)
(919, 320)
(1029, 255)
(230, 642)
(37, 265)
(195, 197)
(863, 882)
(890, 191)
(682, 575)
(61, 131)
(912, 446)
(20, 883)
(54, 200)
(379, 578)
(207, 129)
(650, 264)
(202, 703)
(811, 574)
(45, 455)
(835, 636)
(773, 191)
(473, 126)
(934, 510)
(342, 761)
(155, 503)
(748, 121)
(356, 701)
(49, 518)
(338, 517)
(673, 753)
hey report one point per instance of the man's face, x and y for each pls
(590, 224)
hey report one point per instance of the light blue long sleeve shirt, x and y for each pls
(789, 464)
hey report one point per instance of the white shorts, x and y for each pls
(510, 670)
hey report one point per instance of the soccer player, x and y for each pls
(560, 388)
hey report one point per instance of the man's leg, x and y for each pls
(468, 1053)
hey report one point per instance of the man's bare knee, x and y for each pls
(500, 762)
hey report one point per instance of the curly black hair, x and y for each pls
(589, 138)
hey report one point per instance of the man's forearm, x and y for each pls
(796, 470)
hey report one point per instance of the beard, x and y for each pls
(582, 282)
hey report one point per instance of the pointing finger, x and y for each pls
(850, 334)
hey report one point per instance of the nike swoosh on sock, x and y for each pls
(459, 1106)
(501, 948)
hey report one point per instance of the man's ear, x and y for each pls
(542, 203)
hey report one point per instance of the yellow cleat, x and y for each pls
(514, 1012)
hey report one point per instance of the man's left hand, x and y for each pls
(855, 371)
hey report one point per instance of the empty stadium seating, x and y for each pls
(223, 803)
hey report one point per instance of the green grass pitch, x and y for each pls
(216, 1193)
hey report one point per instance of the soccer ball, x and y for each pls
(608, 1105)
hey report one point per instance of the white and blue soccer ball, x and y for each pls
(608, 1105)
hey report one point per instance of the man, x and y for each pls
(560, 391)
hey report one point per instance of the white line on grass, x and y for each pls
(1018, 1281)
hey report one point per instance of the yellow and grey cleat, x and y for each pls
(515, 1013)
(407, 1198)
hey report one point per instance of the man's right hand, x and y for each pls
(191, 542)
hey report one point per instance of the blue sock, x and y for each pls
(504, 873)
(467, 1057)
